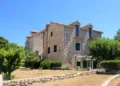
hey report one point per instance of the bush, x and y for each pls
(100, 72)
(110, 65)
(55, 64)
(32, 64)
(31, 60)
(47, 64)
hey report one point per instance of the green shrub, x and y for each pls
(31, 60)
(47, 64)
(100, 72)
(110, 65)
(55, 64)
(32, 64)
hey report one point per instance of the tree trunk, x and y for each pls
(9, 75)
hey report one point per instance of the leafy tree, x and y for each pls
(117, 36)
(3, 42)
(10, 59)
(31, 58)
(104, 49)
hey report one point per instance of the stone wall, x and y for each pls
(38, 43)
(1, 80)
(56, 39)
(27, 81)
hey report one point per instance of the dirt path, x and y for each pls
(89, 80)
(19, 74)
(115, 82)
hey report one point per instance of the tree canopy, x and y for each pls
(117, 36)
(31, 58)
(10, 59)
(104, 49)
(3, 42)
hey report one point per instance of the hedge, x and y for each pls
(110, 64)
(48, 64)
(32, 65)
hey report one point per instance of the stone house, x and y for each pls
(67, 43)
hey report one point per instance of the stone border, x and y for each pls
(25, 82)
(107, 82)
(1, 80)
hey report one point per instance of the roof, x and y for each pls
(66, 25)
(90, 25)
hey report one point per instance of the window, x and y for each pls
(48, 50)
(51, 34)
(76, 30)
(90, 32)
(55, 48)
(77, 47)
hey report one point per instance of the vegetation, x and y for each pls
(100, 71)
(110, 65)
(117, 36)
(10, 59)
(32, 60)
(48, 64)
(104, 49)
(3, 42)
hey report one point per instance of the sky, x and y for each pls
(19, 17)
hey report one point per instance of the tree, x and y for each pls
(31, 58)
(3, 42)
(104, 49)
(117, 36)
(10, 59)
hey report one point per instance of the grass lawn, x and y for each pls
(37, 73)
(89, 80)
(115, 82)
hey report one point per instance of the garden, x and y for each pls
(17, 63)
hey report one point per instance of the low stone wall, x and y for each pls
(1, 80)
(25, 82)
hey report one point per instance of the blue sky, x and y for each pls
(19, 17)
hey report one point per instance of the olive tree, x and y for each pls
(10, 59)
(104, 49)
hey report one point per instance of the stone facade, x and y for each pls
(35, 42)
(64, 38)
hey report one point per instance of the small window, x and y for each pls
(90, 32)
(77, 47)
(48, 50)
(55, 48)
(76, 30)
(51, 34)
